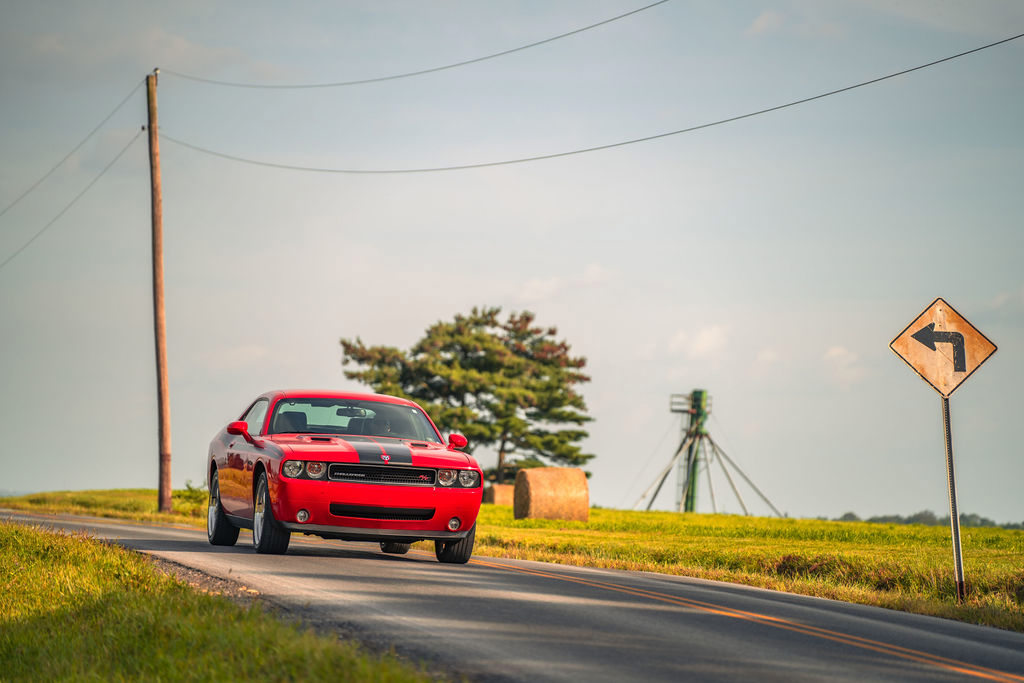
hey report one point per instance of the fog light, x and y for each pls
(302, 516)
(454, 523)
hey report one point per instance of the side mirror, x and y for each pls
(456, 440)
(238, 428)
(241, 428)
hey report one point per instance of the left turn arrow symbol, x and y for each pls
(929, 337)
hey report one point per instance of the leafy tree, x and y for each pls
(506, 384)
(925, 517)
(928, 518)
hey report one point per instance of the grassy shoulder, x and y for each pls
(904, 567)
(188, 504)
(75, 608)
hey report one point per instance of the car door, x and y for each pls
(236, 477)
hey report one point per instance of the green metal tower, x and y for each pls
(686, 501)
(697, 449)
(695, 408)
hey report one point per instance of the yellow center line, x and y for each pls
(776, 622)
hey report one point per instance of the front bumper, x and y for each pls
(347, 533)
(316, 497)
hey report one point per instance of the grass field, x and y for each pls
(76, 609)
(905, 567)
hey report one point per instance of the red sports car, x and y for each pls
(355, 467)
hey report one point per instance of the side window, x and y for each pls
(255, 417)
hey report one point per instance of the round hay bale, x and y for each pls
(552, 493)
(499, 494)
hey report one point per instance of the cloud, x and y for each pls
(541, 289)
(771, 21)
(1009, 300)
(595, 274)
(677, 344)
(1005, 309)
(707, 342)
(546, 288)
(843, 366)
(768, 21)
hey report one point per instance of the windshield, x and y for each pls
(348, 417)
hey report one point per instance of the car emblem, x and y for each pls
(385, 457)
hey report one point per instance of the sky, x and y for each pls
(770, 260)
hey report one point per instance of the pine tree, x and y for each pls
(507, 384)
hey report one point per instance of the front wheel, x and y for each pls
(219, 530)
(456, 552)
(267, 535)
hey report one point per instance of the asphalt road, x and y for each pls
(499, 620)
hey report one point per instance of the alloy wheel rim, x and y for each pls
(211, 513)
(257, 517)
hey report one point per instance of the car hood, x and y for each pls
(370, 450)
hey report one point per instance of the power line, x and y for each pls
(72, 202)
(77, 147)
(585, 150)
(409, 74)
(640, 470)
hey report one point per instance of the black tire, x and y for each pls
(219, 529)
(268, 536)
(394, 548)
(456, 552)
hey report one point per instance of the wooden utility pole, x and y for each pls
(159, 317)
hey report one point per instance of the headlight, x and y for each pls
(469, 479)
(315, 470)
(446, 477)
(292, 468)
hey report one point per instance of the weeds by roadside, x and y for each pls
(75, 608)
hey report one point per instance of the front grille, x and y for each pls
(382, 474)
(377, 512)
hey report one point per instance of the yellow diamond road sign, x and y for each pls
(942, 347)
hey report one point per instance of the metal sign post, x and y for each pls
(954, 515)
(944, 349)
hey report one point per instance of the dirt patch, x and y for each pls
(204, 583)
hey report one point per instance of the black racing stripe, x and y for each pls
(399, 452)
(369, 451)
